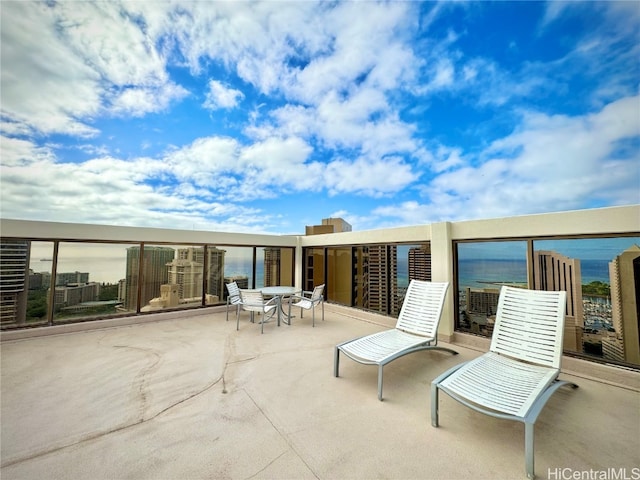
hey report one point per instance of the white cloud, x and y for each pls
(221, 96)
(551, 163)
(87, 59)
(376, 177)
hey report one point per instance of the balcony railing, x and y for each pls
(72, 272)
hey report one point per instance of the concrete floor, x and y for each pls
(192, 398)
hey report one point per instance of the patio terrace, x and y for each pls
(184, 395)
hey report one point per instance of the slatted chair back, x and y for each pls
(530, 325)
(422, 307)
(252, 300)
(234, 292)
(317, 293)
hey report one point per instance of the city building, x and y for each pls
(329, 225)
(481, 308)
(14, 281)
(67, 278)
(382, 278)
(278, 266)
(75, 294)
(420, 263)
(186, 272)
(154, 273)
(624, 273)
(553, 271)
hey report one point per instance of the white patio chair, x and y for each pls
(233, 298)
(308, 301)
(416, 329)
(520, 372)
(253, 301)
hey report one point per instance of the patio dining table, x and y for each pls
(280, 292)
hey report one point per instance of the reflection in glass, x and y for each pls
(238, 267)
(371, 277)
(89, 281)
(40, 267)
(14, 282)
(277, 266)
(482, 268)
(314, 269)
(602, 279)
(173, 277)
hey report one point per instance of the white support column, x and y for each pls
(442, 271)
(299, 265)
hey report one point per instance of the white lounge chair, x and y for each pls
(416, 329)
(233, 298)
(253, 301)
(520, 372)
(308, 301)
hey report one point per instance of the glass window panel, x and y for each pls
(482, 268)
(360, 277)
(413, 262)
(275, 265)
(172, 277)
(314, 268)
(89, 281)
(216, 293)
(238, 266)
(260, 269)
(40, 266)
(339, 275)
(14, 283)
(602, 279)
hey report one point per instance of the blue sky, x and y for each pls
(269, 116)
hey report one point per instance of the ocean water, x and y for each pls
(480, 273)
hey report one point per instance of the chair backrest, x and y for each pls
(422, 308)
(252, 299)
(317, 292)
(232, 288)
(530, 325)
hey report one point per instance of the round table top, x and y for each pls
(279, 290)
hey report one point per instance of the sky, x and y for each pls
(265, 117)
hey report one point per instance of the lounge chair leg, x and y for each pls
(380, 382)
(528, 449)
(444, 349)
(434, 404)
(313, 317)
(336, 362)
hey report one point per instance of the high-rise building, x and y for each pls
(272, 266)
(187, 273)
(215, 272)
(215, 266)
(241, 280)
(482, 305)
(329, 225)
(420, 263)
(624, 274)
(75, 293)
(66, 278)
(14, 281)
(278, 266)
(155, 273)
(553, 271)
(383, 278)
